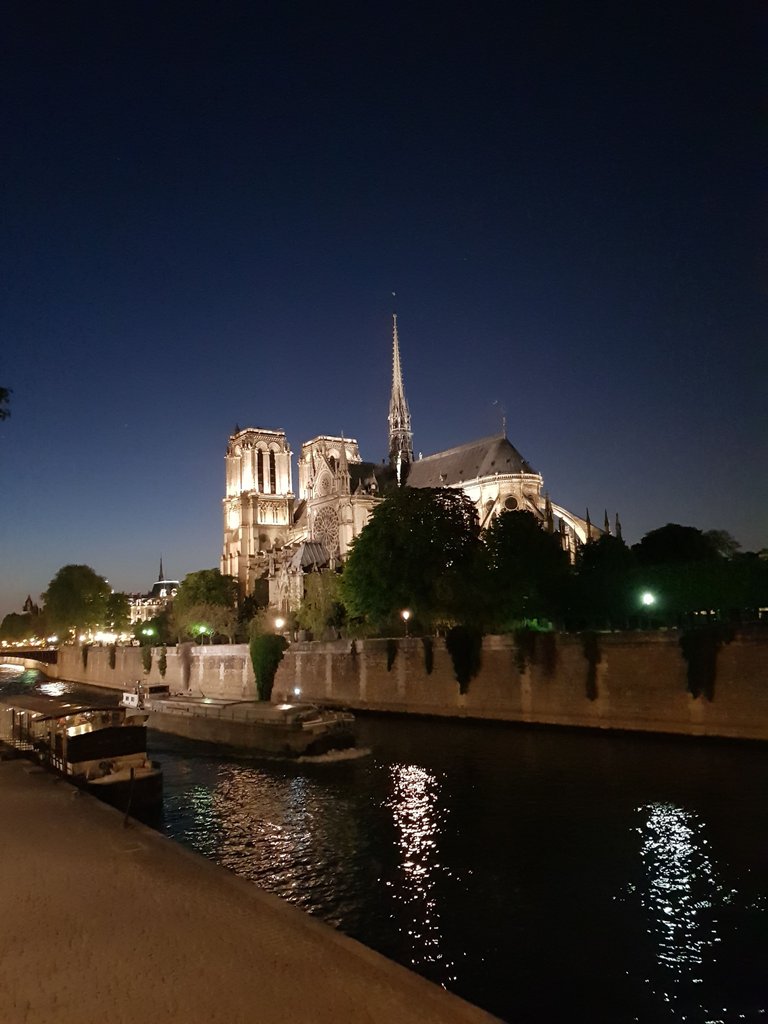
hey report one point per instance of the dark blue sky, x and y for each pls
(206, 208)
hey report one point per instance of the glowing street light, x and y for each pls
(279, 624)
(405, 615)
(647, 598)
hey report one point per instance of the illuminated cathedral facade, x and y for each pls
(276, 535)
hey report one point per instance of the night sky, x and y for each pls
(207, 207)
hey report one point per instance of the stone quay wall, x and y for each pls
(216, 671)
(636, 681)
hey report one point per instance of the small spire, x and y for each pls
(606, 524)
(618, 527)
(161, 577)
(589, 527)
(342, 469)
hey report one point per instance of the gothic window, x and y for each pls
(272, 474)
(510, 503)
(260, 464)
(327, 529)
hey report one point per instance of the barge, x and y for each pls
(278, 730)
(100, 749)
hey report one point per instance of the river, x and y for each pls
(542, 874)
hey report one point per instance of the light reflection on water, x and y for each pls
(680, 897)
(417, 813)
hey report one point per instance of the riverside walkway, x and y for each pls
(107, 923)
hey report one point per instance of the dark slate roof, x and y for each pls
(363, 475)
(167, 585)
(310, 554)
(480, 458)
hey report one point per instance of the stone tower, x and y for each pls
(400, 433)
(258, 505)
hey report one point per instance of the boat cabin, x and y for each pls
(75, 739)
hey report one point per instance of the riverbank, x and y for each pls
(640, 681)
(102, 921)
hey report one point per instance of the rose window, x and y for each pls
(327, 529)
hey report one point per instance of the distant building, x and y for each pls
(275, 535)
(147, 606)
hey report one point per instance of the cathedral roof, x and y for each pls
(310, 554)
(483, 458)
(365, 474)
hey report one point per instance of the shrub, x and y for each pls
(162, 661)
(112, 655)
(266, 654)
(146, 658)
(84, 656)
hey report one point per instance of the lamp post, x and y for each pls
(279, 624)
(405, 614)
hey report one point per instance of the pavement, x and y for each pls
(103, 923)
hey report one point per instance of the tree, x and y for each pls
(204, 620)
(206, 587)
(17, 626)
(527, 569)
(322, 607)
(724, 543)
(5, 397)
(672, 544)
(605, 589)
(118, 613)
(420, 550)
(76, 598)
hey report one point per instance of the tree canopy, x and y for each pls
(673, 543)
(419, 551)
(206, 587)
(527, 570)
(76, 598)
(118, 613)
(19, 626)
(5, 398)
(204, 620)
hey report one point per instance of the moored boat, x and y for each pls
(97, 748)
(283, 730)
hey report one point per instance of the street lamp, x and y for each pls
(279, 624)
(405, 614)
(647, 598)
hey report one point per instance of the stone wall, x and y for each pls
(613, 680)
(634, 681)
(216, 671)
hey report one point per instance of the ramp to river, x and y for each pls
(103, 922)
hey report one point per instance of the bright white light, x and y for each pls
(105, 638)
(647, 598)
(279, 623)
(297, 691)
(405, 614)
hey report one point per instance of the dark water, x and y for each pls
(544, 875)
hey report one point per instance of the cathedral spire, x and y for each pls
(161, 577)
(400, 433)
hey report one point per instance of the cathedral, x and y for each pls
(271, 534)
